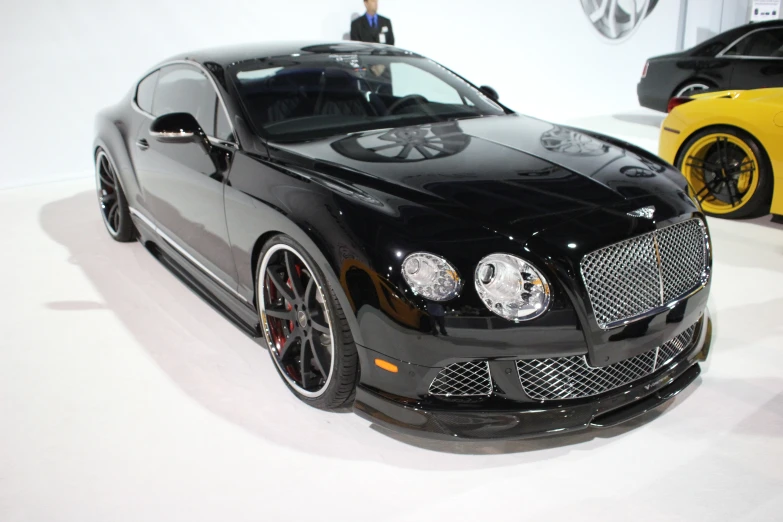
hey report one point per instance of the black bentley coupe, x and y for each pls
(407, 246)
(747, 57)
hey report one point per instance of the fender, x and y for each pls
(113, 135)
(253, 218)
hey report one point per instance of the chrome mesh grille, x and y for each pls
(628, 279)
(683, 258)
(464, 379)
(573, 378)
(623, 280)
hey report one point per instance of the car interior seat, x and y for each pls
(340, 95)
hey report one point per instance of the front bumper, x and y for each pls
(504, 419)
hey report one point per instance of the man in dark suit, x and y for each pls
(372, 27)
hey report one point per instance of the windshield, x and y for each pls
(307, 97)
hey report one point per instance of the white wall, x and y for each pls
(735, 13)
(64, 60)
(706, 18)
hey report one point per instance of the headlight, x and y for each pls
(431, 276)
(511, 287)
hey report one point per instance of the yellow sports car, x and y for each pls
(729, 146)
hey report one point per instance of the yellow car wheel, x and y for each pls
(728, 172)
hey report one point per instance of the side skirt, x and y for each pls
(241, 315)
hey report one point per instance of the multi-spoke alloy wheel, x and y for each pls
(728, 172)
(114, 207)
(304, 326)
(617, 20)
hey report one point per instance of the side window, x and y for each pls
(407, 79)
(711, 50)
(761, 44)
(222, 127)
(182, 88)
(145, 91)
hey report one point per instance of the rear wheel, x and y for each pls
(693, 87)
(728, 171)
(111, 198)
(309, 338)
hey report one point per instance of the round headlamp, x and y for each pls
(511, 287)
(431, 276)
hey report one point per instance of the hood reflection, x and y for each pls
(405, 144)
(567, 141)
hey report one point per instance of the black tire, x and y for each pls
(111, 199)
(340, 388)
(761, 199)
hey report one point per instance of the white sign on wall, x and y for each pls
(761, 10)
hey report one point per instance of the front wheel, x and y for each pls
(728, 171)
(111, 199)
(305, 328)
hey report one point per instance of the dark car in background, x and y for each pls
(747, 57)
(406, 246)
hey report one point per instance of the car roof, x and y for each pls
(738, 31)
(227, 56)
(725, 38)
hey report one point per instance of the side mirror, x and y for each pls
(178, 127)
(490, 92)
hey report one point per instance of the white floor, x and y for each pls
(123, 396)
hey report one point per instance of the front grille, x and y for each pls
(463, 379)
(630, 278)
(573, 378)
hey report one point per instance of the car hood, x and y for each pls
(514, 174)
(768, 95)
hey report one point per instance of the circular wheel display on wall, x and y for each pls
(617, 20)
(308, 337)
(728, 171)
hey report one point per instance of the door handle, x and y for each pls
(142, 144)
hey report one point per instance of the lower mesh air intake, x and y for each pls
(573, 378)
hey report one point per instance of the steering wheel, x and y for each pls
(406, 100)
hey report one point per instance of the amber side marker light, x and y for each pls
(389, 367)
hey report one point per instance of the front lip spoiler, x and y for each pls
(512, 425)
(537, 419)
(636, 409)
